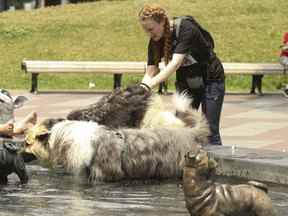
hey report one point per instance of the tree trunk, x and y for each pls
(3, 5)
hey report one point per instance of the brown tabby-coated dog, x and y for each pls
(205, 198)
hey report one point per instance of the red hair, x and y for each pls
(158, 14)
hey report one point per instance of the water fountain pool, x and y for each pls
(55, 193)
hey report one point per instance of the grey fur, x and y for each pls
(111, 155)
(141, 154)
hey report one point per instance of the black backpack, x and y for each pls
(205, 34)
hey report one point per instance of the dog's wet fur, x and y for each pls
(11, 162)
(120, 109)
(102, 153)
(204, 197)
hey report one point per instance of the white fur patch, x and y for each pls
(167, 119)
(79, 135)
(157, 117)
(181, 102)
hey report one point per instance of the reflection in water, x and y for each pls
(57, 194)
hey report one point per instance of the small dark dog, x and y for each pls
(121, 109)
(11, 162)
(205, 198)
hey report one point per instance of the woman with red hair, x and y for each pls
(187, 49)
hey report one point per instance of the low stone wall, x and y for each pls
(252, 164)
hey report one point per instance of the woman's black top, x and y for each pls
(200, 59)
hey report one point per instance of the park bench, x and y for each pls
(253, 68)
(81, 67)
(117, 68)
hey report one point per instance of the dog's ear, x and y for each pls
(190, 159)
(190, 156)
(38, 132)
(201, 157)
(43, 136)
(49, 123)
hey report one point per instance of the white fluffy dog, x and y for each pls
(114, 154)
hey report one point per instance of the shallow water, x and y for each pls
(52, 193)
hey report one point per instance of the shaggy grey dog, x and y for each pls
(115, 154)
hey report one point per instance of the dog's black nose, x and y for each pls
(28, 157)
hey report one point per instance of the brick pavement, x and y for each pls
(247, 120)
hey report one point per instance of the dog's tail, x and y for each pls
(191, 117)
(259, 185)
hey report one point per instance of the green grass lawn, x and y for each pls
(244, 31)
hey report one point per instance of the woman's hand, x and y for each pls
(170, 68)
(151, 71)
(145, 86)
(153, 77)
(147, 79)
(7, 129)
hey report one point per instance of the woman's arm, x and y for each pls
(172, 66)
(151, 71)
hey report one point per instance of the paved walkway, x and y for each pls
(247, 120)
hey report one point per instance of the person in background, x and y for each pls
(284, 60)
(188, 50)
(256, 83)
(12, 159)
(10, 129)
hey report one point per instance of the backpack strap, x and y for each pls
(177, 23)
(206, 35)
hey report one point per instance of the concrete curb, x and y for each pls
(252, 164)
